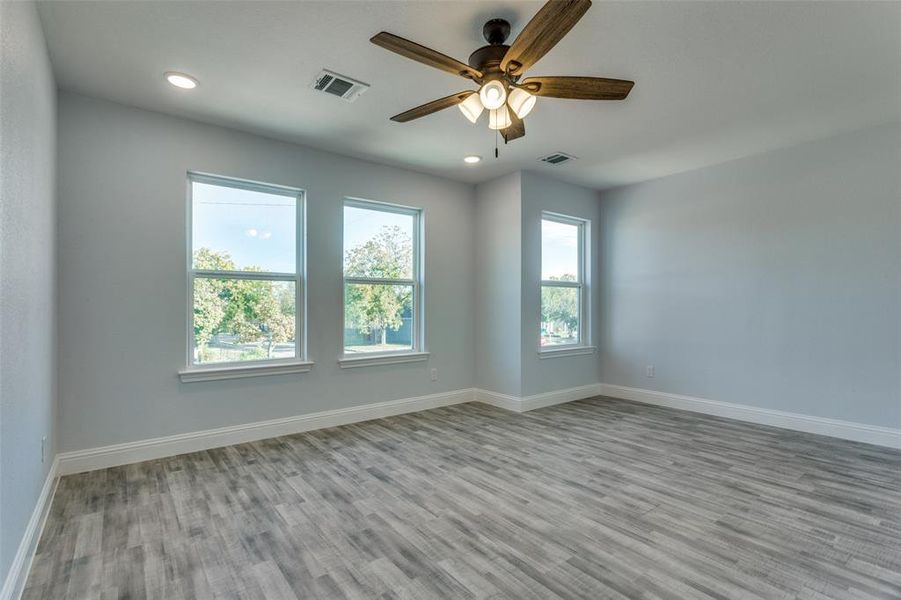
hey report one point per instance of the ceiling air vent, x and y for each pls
(339, 85)
(557, 158)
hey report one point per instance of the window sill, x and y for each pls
(236, 372)
(348, 362)
(561, 352)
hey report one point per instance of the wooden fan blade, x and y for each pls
(578, 88)
(516, 130)
(542, 33)
(432, 107)
(426, 56)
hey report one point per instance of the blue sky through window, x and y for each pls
(361, 225)
(559, 250)
(256, 229)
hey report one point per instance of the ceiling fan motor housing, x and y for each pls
(487, 59)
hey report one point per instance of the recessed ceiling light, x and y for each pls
(472, 159)
(181, 80)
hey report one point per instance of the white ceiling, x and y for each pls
(714, 80)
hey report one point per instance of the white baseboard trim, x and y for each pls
(561, 396)
(21, 565)
(847, 430)
(122, 454)
(527, 403)
(499, 400)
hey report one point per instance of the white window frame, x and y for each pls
(583, 284)
(299, 363)
(418, 351)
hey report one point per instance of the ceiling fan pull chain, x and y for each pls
(495, 144)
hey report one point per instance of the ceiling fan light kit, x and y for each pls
(472, 108)
(499, 118)
(498, 69)
(493, 94)
(521, 102)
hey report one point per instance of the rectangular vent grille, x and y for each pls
(557, 158)
(341, 86)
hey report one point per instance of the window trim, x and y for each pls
(583, 284)
(300, 362)
(418, 351)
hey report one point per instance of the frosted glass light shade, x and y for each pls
(472, 107)
(493, 95)
(521, 102)
(499, 119)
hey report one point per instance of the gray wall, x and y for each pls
(27, 270)
(122, 259)
(498, 289)
(772, 281)
(540, 193)
(508, 276)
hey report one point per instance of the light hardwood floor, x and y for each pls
(593, 499)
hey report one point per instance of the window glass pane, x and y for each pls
(559, 315)
(377, 318)
(378, 244)
(559, 251)
(239, 319)
(242, 230)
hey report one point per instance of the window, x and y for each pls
(564, 298)
(382, 280)
(245, 273)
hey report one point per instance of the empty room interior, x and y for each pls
(411, 300)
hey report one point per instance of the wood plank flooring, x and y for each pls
(594, 499)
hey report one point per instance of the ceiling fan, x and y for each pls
(498, 69)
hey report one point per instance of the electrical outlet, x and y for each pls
(649, 371)
(434, 374)
(43, 448)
